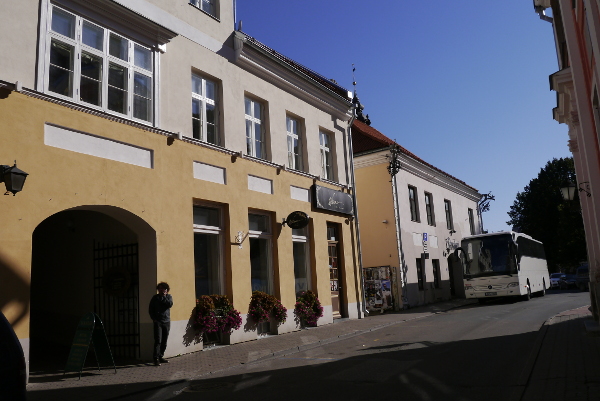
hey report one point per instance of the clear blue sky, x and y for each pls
(461, 84)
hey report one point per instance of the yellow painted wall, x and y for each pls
(162, 197)
(375, 204)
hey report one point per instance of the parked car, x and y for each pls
(555, 279)
(568, 281)
(13, 372)
(583, 278)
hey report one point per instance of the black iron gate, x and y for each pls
(116, 296)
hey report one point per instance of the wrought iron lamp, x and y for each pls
(13, 178)
(567, 189)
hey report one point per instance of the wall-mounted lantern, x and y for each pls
(13, 178)
(567, 189)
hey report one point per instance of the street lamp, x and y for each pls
(13, 178)
(567, 189)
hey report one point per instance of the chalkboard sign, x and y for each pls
(89, 330)
(335, 201)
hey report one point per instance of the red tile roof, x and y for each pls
(366, 138)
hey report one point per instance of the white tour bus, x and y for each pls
(503, 264)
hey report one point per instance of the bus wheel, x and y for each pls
(543, 288)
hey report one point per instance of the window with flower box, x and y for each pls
(208, 250)
(260, 238)
(301, 259)
(90, 64)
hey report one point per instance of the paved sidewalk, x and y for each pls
(145, 378)
(567, 364)
(564, 363)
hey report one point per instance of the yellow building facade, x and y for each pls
(118, 201)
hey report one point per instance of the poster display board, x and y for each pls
(378, 288)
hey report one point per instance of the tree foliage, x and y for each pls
(541, 212)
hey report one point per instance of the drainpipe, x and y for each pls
(404, 295)
(355, 205)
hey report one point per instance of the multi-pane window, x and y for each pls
(301, 266)
(420, 273)
(414, 204)
(93, 65)
(260, 237)
(471, 221)
(204, 110)
(325, 145)
(294, 144)
(208, 6)
(208, 250)
(448, 209)
(436, 272)
(429, 209)
(255, 136)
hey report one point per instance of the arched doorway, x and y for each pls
(88, 259)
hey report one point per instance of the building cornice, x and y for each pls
(562, 82)
(420, 170)
(171, 135)
(267, 67)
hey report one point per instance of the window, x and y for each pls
(436, 272)
(294, 144)
(414, 204)
(448, 208)
(208, 6)
(420, 273)
(260, 236)
(429, 209)
(207, 250)
(204, 110)
(301, 267)
(255, 136)
(93, 65)
(325, 145)
(471, 221)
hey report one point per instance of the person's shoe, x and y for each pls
(156, 362)
(163, 360)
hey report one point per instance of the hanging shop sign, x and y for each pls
(335, 201)
(297, 220)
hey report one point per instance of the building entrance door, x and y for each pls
(335, 273)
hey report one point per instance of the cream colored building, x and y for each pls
(413, 222)
(162, 145)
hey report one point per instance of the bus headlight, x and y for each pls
(515, 284)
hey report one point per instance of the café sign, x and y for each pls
(335, 201)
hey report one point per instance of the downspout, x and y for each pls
(404, 295)
(355, 205)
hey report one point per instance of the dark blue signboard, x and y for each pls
(335, 201)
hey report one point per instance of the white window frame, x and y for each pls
(326, 156)
(266, 235)
(78, 47)
(204, 100)
(218, 231)
(251, 139)
(294, 130)
(206, 5)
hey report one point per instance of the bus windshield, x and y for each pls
(489, 256)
